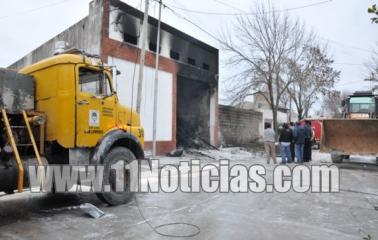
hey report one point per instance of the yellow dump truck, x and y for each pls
(357, 132)
(65, 110)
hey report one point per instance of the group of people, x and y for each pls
(295, 141)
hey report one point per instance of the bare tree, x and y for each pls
(258, 48)
(331, 105)
(312, 75)
(372, 65)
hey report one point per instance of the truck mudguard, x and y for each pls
(116, 138)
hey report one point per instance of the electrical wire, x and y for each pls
(345, 45)
(249, 13)
(351, 64)
(193, 23)
(229, 5)
(156, 228)
(245, 13)
(33, 10)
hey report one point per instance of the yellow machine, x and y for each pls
(357, 133)
(82, 121)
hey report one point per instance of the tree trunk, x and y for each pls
(275, 123)
(300, 113)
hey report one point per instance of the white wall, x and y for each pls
(124, 83)
(268, 117)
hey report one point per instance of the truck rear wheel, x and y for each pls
(337, 158)
(123, 156)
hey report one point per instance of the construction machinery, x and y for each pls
(64, 110)
(357, 132)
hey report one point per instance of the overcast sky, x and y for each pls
(343, 24)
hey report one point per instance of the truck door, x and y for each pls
(95, 105)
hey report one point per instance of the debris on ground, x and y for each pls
(178, 152)
(91, 210)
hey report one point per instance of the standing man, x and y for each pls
(269, 143)
(286, 137)
(292, 144)
(307, 143)
(299, 135)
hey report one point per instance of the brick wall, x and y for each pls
(238, 127)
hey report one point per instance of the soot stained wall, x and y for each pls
(193, 112)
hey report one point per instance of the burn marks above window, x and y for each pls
(174, 55)
(130, 38)
(191, 61)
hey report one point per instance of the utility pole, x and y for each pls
(372, 79)
(156, 83)
(142, 55)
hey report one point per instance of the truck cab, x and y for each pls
(85, 124)
(360, 105)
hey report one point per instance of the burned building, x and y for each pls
(188, 71)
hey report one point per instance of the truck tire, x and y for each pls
(337, 158)
(114, 156)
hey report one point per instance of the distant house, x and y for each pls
(261, 105)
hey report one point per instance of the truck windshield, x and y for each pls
(362, 104)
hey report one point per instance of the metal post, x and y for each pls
(142, 56)
(156, 83)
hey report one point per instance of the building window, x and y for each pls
(192, 61)
(259, 105)
(152, 47)
(130, 38)
(205, 66)
(174, 55)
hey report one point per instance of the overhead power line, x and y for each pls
(191, 22)
(314, 4)
(33, 9)
(346, 45)
(249, 13)
(229, 5)
(351, 64)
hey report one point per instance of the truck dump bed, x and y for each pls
(350, 136)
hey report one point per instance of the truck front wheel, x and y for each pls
(336, 158)
(114, 162)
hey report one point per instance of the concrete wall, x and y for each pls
(237, 126)
(84, 35)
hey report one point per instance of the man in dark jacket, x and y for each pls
(299, 136)
(286, 137)
(292, 145)
(307, 143)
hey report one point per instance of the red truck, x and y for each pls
(316, 125)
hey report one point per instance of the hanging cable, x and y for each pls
(249, 13)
